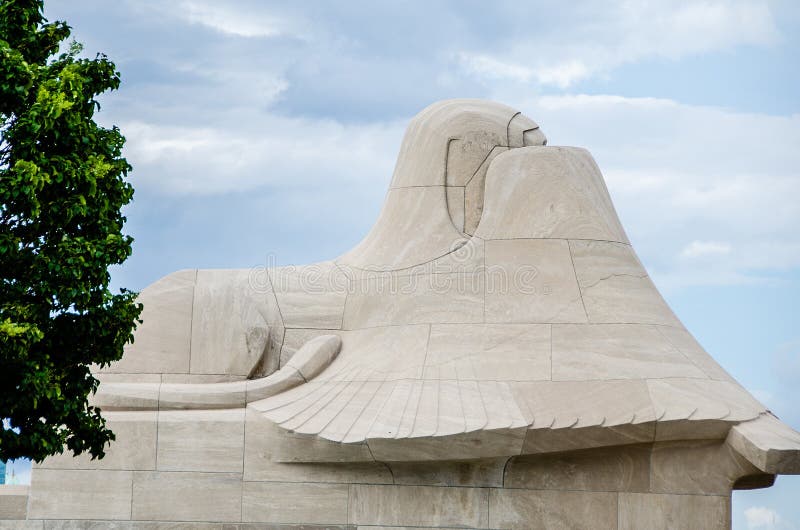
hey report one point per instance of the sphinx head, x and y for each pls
(451, 143)
(437, 191)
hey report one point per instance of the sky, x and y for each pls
(265, 132)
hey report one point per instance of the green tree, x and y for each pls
(62, 186)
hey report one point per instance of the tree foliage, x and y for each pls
(62, 186)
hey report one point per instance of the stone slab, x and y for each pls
(418, 506)
(416, 299)
(80, 494)
(201, 440)
(496, 352)
(13, 501)
(615, 286)
(126, 396)
(477, 473)
(187, 496)
(22, 525)
(162, 342)
(281, 502)
(134, 448)
(310, 296)
(525, 509)
(703, 467)
(667, 512)
(236, 344)
(548, 192)
(128, 525)
(616, 351)
(531, 281)
(625, 468)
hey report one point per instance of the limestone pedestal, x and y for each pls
(216, 468)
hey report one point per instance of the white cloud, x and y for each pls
(235, 19)
(231, 21)
(489, 67)
(761, 517)
(710, 25)
(240, 18)
(282, 152)
(562, 74)
(699, 249)
(604, 36)
(594, 102)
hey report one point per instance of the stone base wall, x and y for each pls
(215, 467)
(407, 507)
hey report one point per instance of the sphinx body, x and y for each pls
(492, 355)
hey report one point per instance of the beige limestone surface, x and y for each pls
(493, 354)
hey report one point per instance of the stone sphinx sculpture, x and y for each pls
(491, 355)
